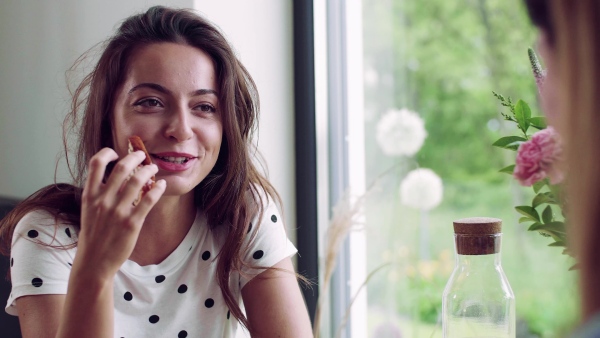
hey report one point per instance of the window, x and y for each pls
(429, 70)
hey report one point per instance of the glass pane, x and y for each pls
(429, 72)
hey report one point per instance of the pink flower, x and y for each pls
(538, 158)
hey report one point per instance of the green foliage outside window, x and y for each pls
(443, 59)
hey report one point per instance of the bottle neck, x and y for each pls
(479, 261)
(478, 249)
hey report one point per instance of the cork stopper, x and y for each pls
(478, 235)
(478, 226)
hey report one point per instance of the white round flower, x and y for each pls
(421, 189)
(401, 132)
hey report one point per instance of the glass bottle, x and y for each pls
(478, 301)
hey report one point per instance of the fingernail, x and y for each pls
(163, 182)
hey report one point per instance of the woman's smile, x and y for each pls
(173, 161)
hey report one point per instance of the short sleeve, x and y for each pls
(266, 246)
(41, 256)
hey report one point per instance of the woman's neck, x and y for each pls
(164, 229)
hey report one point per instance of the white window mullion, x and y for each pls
(356, 160)
(345, 151)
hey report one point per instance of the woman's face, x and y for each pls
(169, 99)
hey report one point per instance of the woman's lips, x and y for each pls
(173, 161)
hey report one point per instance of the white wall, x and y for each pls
(40, 40)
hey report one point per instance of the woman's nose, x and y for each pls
(179, 127)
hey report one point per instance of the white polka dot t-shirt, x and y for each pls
(179, 297)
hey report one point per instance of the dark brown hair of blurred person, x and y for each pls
(572, 29)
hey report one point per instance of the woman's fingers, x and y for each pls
(121, 172)
(97, 169)
(149, 200)
(131, 189)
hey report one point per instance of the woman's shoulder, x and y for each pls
(41, 217)
(264, 196)
(42, 226)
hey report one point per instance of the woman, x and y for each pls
(87, 262)
(570, 46)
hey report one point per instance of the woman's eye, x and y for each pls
(148, 103)
(206, 108)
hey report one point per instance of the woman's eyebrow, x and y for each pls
(164, 90)
(150, 85)
(200, 92)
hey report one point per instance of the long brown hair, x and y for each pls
(230, 195)
(573, 28)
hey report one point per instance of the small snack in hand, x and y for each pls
(135, 144)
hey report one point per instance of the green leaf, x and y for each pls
(538, 122)
(537, 186)
(522, 114)
(507, 141)
(541, 198)
(525, 219)
(508, 170)
(552, 228)
(555, 189)
(558, 243)
(535, 226)
(529, 212)
(547, 215)
(550, 233)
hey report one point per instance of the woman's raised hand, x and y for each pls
(110, 223)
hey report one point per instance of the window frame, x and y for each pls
(329, 145)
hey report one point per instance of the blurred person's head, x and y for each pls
(570, 48)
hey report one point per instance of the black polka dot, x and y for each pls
(159, 278)
(32, 234)
(209, 303)
(70, 264)
(182, 334)
(128, 296)
(190, 249)
(206, 255)
(153, 319)
(182, 288)
(12, 262)
(258, 254)
(250, 228)
(68, 232)
(228, 314)
(274, 219)
(37, 282)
